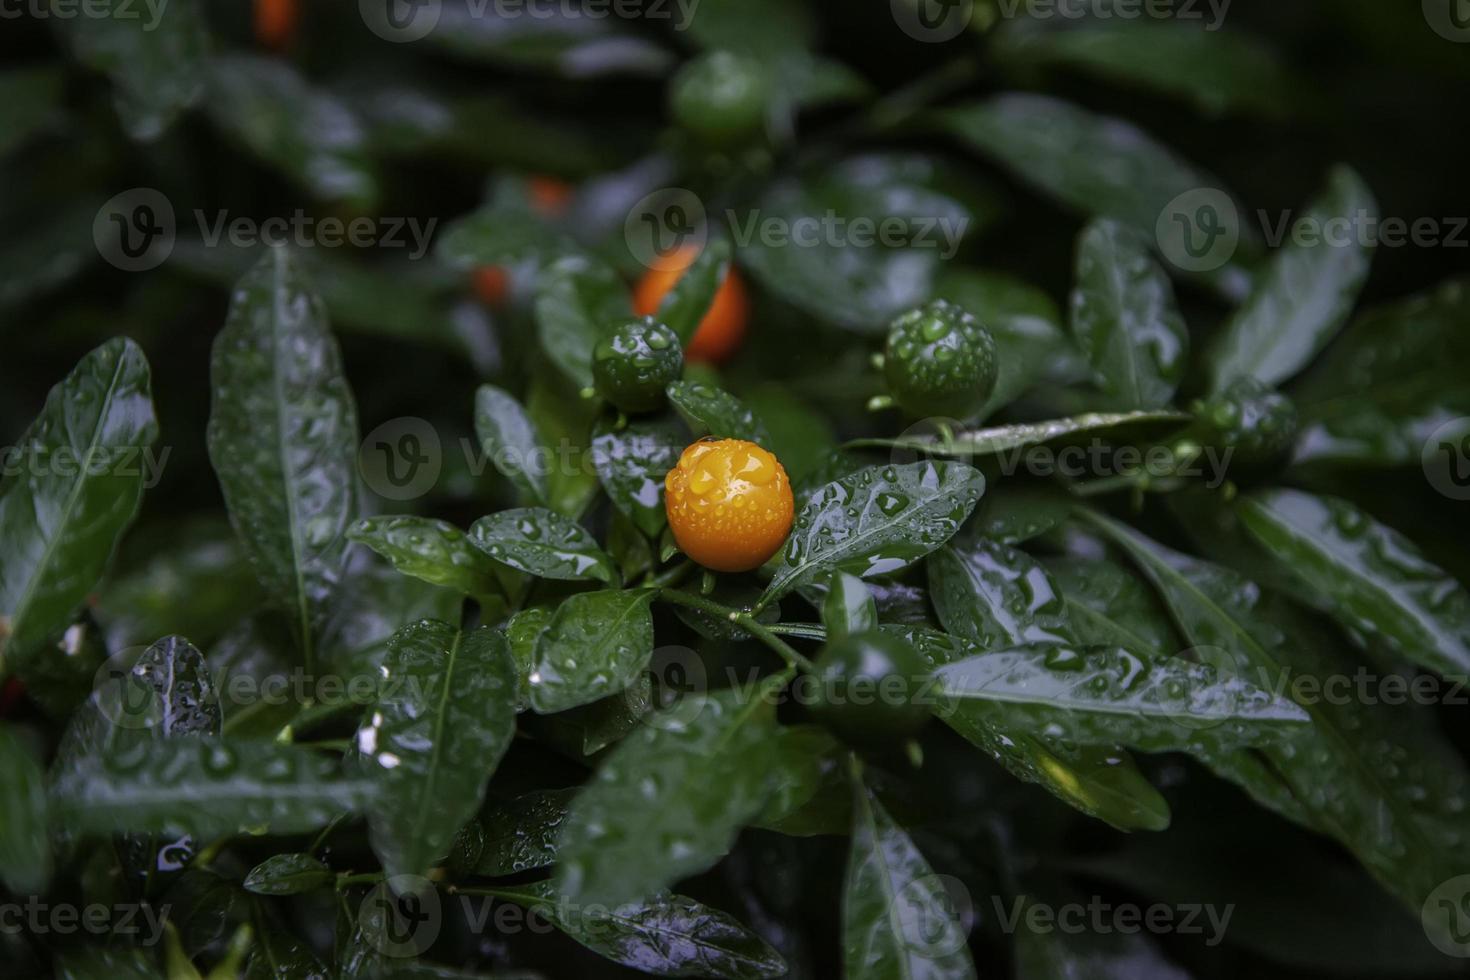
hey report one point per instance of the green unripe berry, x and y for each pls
(1256, 422)
(871, 688)
(634, 362)
(721, 97)
(939, 361)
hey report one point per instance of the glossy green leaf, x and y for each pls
(564, 420)
(684, 306)
(632, 462)
(848, 607)
(1353, 772)
(876, 521)
(500, 234)
(577, 299)
(520, 834)
(156, 57)
(711, 411)
(1377, 395)
(1368, 575)
(1096, 165)
(510, 440)
(287, 874)
(433, 739)
(25, 840)
(1003, 438)
(283, 439)
(543, 543)
(809, 776)
(996, 596)
(1307, 291)
(668, 801)
(309, 135)
(432, 550)
(596, 644)
(1108, 605)
(78, 484)
(1111, 697)
(1015, 512)
(897, 921)
(1124, 317)
(207, 787)
(1102, 782)
(665, 935)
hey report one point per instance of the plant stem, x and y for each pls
(801, 631)
(745, 621)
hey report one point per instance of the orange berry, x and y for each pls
(492, 284)
(729, 504)
(275, 22)
(548, 195)
(723, 327)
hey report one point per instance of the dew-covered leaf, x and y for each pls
(596, 644)
(988, 441)
(1124, 318)
(996, 596)
(577, 299)
(632, 462)
(876, 521)
(668, 801)
(709, 410)
(1367, 575)
(208, 787)
(543, 543)
(509, 439)
(897, 920)
(431, 742)
(520, 834)
(283, 439)
(287, 874)
(1306, 292)
(432, 550)
(62, 512)
(848, 606)
(663, 934)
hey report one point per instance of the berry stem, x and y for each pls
(742, 619)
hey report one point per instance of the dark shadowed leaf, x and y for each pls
(848, 606)
(520, 834)
(711, 411)
(25, 840)
(287, 874)
(577, 299)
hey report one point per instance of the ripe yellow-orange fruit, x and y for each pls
(729, 504)
(723, 327)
